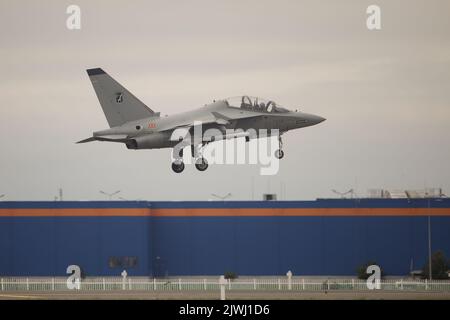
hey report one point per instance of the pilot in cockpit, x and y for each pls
(255, 105)
(246, 102)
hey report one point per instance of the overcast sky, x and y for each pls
(385, 94)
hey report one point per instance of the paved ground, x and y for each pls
(231, 295)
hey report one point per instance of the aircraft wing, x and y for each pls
(236, 113)
(214, 118)
(222, 118)
(216, 137)
(181, 133)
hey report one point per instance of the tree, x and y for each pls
(439, 266)
(230, 275)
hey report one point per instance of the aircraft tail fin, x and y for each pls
(118, 104)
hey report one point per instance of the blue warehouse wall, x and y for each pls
(305, 245)
(47, 246)
(43, 238)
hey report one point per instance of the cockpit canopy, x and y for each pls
(255, 104)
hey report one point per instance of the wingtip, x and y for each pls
(95, 71)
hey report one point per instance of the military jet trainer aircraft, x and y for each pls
(138, 127)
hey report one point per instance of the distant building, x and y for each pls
(405, 194)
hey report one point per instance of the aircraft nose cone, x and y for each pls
(320, 119)
(316, 119)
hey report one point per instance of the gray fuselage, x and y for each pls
(158, 132)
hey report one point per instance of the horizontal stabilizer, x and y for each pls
(111, 138)
(87, 140)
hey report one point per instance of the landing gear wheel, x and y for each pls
(201, 164)
(178, 166)
(279, 154)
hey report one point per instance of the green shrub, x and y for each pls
(230, 275)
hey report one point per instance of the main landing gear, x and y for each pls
(279, 153)
(178, 164)
(200, 162)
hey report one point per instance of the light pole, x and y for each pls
(110, 195)
(429, 242)
(429, 237)
(221, 197)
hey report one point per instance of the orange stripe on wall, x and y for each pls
(95, 212)
(223, 212)
(298, 212)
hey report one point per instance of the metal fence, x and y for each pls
(212, 284)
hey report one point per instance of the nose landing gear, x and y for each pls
(279, 153)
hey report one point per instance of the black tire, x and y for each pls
(201, 164)
(178, 167)
(279, 154)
